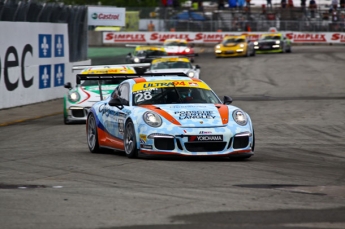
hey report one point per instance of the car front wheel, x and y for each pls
(130, 141)
(92, 135)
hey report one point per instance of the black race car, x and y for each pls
(145, 54)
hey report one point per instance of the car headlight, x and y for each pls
(256, 43)
(74, 96)
(217, 46)
(191, 74)
(277, 42)
(136, 60)
(241, 45)
(240, 117)
(152, 119)
(187, 50)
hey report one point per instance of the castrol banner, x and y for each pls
(214, 37)
(106, 16)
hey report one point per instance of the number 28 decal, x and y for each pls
(142, 96)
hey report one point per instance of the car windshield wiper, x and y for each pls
(179, 96)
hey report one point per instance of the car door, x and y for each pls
(123, 95)
(110, 115)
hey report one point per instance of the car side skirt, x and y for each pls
(109, 141)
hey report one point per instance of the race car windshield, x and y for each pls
(174, 43)
(271, 38)
(103, 82)
(171, 65)
(150, 53)
(173, 95)
(233, 40)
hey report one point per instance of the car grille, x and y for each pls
(241, 142)
(205, 146)
(164, 143)
(80, 113)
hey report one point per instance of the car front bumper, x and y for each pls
(236, 144)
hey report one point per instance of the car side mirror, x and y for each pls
(68, 85)
(116, 102)
(227, 100)
(129, 54)
(197, 66)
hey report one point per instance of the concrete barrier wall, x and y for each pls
(34, 62)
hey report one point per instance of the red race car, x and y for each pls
(179, 47)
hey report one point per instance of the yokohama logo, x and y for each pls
(307, 37)
(202, 138)
(118, 37)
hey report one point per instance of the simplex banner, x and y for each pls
(215, 37)
(106, 16)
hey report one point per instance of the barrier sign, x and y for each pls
(215, 37)
(106, 16)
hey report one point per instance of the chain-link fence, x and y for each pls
(74, 16)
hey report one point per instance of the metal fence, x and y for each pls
(253, 26)
(301, 19)
(74, 16)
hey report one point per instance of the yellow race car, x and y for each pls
(235, 46)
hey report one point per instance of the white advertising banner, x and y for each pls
(106, 16)
(34, 62)
(215, 37)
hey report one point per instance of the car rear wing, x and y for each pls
(82, 67)
(148, 44)
(119, 77)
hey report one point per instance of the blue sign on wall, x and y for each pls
(59, 75)
(45, 45)
(59, 45)
(45, 76)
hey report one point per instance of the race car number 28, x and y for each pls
(142, 96)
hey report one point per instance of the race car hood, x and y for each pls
(94, 93)
(196, 115)
(230, 45)
(263, 42)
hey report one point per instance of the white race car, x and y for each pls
(174, 64)
(79, 99)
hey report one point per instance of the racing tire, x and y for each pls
(247, 53)
(66, 121)
(253, 146)
(130, 141)
(92, 135)
(253, 54)
(289, 50)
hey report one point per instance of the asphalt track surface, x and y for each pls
(296, 179)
